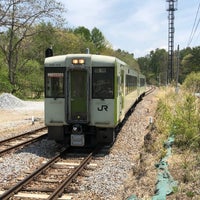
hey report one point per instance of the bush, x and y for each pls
(5, 85)
(30, 80)
(186, 122)
(192, 82)
(163, 117)
(179, 114)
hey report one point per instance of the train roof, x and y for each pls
(60, 60)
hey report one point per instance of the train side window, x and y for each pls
(54, 83)
(142, 82)
(131, 84)
(103, 83)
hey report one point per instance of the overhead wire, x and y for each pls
(194, 28)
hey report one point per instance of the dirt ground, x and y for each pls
(16, 116)
(16, 121)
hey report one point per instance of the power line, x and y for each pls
(194, 29)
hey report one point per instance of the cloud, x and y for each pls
(143, 27)
(89, 13)
(132, 25)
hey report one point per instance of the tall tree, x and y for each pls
(98, 38)
(190, 62)
(84, 32)
(18, 17)
(154, 66)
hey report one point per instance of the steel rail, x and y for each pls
(150, 90)
(21, 135)
(16, 188)
(55, 193)
(66, 182)
(23, 143)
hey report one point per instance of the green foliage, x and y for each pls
(154, 66)
(190, 62)
(122, 55)
(5, 85)
(83, 32)
(98, 38)
(35, 46)
(28, 74)
(186, 122)
(163, 117)
(128, 58)
(190, 194)
(192, 82)
(68, 42)
(179, 114)
(30, 80)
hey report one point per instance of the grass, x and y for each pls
(179, 114)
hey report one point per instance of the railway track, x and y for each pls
(21, 140)
(51, 179)
(150, 90)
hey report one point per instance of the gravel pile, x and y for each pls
(8, 101)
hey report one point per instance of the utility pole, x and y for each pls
(177, 70)
(172, 6)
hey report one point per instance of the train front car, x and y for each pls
(82, 101)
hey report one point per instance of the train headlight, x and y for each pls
(75, 61)
(77, 128)
(81, 61)
(78, 61)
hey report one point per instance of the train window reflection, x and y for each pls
(131, 84)
(103, 83)
(54, 81)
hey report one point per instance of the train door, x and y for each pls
(78, 96)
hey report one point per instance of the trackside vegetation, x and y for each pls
(178, 114)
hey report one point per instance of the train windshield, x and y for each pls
(103, 83)
(54, 82)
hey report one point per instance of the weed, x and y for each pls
(190, 194)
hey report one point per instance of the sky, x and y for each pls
(135, 26)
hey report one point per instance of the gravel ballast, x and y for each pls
(109, 180)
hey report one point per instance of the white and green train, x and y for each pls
(87, 96)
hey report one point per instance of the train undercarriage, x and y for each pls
(81, 135)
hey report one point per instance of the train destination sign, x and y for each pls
(55, 75)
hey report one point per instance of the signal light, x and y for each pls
(48, 52)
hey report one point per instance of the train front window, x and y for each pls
(103, 83)
(54, 83)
